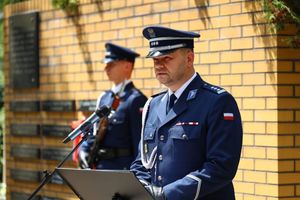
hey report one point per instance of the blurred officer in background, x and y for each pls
(192, 133)
(115, 141)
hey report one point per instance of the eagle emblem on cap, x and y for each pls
(151, 32)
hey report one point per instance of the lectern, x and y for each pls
(90, 184)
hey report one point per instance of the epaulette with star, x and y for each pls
(156, 95)
(213, 88)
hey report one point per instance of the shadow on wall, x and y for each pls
(202, 11)
(263, 35)
(83, 38)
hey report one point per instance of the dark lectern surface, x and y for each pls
(104, 184)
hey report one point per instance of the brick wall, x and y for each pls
(236, 51)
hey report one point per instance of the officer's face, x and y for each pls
(116, 71)
(174, 69)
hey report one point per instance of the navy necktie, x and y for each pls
(171, 102)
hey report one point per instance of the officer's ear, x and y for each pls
(190, 57)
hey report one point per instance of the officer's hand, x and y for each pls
(156, 192)
(82, 157)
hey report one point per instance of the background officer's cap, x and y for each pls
(115, 52)
(164, 40)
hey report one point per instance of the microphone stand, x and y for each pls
(48, 175)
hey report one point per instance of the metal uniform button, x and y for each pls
(162, 137)
(184, 136)
(160, 157)
(159, 178)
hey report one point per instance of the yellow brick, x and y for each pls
(265, 41)
(230, 9)
(289, 78)
(266, 140)
(188, 14)
(255, 54)
(289, 178)
(298, 190)
(126, 33)
(266, 115)
(133, 3)
(254, 127)
(253, 197)
(242, 67)
(170, 17)
(288, 53)
(247, 115)
(209, 58)
(248, 139)
(220, 69)
(264, 91)
(201, 47)
(272, 178)
(242, 19)
(180, 25)
(286, 190)
(267, 190)
(288, 103)
(161, 7)
(242, 43)
(254, 152)
(254, 103)
(151, 19)
(117, 4)
(134, 22)
(212, 11)
(210, 34)
(289, 153)
(219, 45)
(265, 66)
(143, 73)
(196, 25)
(243, 187)
(297, 165)
(239, 176)
(218, 22)
(231, 80)
(297, 68)
(231, 56)
(297, 116)
(110, 35)
(254, 79)
(178, 5)
(255, 176)
(141, 10)
(215, 2)
(117, 24)
(272, 103)
(125, 12)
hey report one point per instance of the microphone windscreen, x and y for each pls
(102, 111)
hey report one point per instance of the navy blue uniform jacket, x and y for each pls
(198, 144)
(124, 127)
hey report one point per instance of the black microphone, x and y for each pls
(103, 111)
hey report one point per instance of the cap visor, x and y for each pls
(153, 54)
(108, 60)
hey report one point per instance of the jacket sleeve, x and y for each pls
(223, 148)
(135, 114)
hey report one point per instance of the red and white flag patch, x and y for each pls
(228, 116)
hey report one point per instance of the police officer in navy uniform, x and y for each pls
(191, 135)
(120, 144)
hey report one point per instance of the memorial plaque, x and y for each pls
(25, 129)
(22, 196)
(87, 105)
(55, 153)
(25, 175)
(24, 50)
(25, 106)
(55, 130)
(58, 106)
(25, 151)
